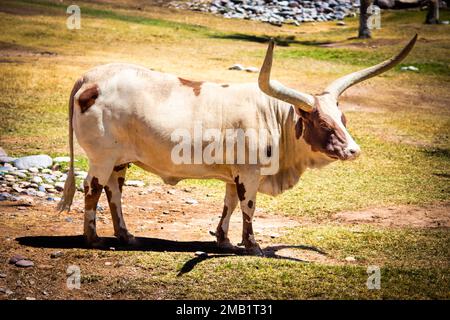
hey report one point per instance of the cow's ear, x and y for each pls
(301, 113)
(299, 128)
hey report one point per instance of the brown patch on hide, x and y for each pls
(240, 189)
(91, 199)
(250, 204)
(121, 182)
(322, 133)
(78, 84)
(112, 207)
(220, 234)
(195, 85)
(225, 85)
(87, 98)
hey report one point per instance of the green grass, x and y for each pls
(113, 15)
(403, 256)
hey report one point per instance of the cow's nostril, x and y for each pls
(354, 152)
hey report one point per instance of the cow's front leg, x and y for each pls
(113, 191)
(247, 187)
(230, 203)
(92, 191)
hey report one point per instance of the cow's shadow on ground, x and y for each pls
(210, 248)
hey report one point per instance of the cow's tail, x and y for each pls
(69, 186)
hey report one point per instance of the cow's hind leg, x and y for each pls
(93, 185)
(113, 191)
(230, 203)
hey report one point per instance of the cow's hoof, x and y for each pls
(93, 241)
(226, 244)
(127, 238)
(254, 250)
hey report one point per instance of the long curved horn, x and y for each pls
(277, 90)
(337, 87)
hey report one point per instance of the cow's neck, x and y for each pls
(295, 155)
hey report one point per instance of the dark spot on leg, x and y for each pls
(195, 85)
(269, 151)
(121, 182)
(90, 200)
(87, 98)
(108, 193)
(240, 189)
(250, 204)
(220, 234)
(247, 230)
(86, 190)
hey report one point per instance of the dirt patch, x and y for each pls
(13, 50)
(158, 211)
(431, 216)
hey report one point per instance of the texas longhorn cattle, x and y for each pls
(123, 113)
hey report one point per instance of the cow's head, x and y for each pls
(321, 122)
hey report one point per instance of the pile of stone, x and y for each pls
(276, 12)
(37, 176)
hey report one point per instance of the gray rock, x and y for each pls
(24, 263)
(33, 170)
(61, 159)
(191, 201)
(201, 254)
(6, 291)
(410, 68)
(68, 219)
(41, 194)
(56, 254)
(236, 67)
(5, 159)
(36, 179)
(59, 186)
(252, 69)
(18, 174)
(134, 183)
(4, 170)
(17, 189)
(82, 174)
(15, 258)
(5, 196)
(39, 161)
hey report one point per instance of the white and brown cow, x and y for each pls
(123, 113)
